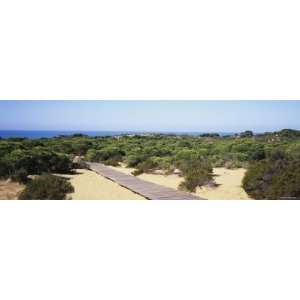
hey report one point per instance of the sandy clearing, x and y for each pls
(229, 183)
(89, 185)
(9, 190)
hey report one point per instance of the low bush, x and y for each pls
(4, 169)
(115, 162)
(20, 175)
(47, 187)
(195, 178)
(196, 172)
(60, 164)
(109, 156)
(247, 133)
(137, 172)
(277, 177)
(35, 161)
(134, 159)
(147, 166)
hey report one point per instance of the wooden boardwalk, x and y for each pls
(149, 190)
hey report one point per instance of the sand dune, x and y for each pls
(9, 190)
(89, 185)
(229, 183)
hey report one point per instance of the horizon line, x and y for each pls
(142, 131)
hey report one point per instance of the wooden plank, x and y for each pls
(149, 190)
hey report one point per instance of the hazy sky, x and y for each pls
(208, 116)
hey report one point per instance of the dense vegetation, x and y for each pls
(20, 157)
(47, 187)
(276, 177)
(270, 175)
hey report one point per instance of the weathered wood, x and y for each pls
(149, 190)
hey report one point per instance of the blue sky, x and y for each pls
(208, 116)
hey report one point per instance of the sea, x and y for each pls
(36, 134)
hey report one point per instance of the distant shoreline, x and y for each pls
(36, 134)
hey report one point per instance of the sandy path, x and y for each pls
(229, 183)
(9, 190)
(89, 185)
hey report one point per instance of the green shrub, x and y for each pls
(47, 187)
(114, 161)
(137, 172)
(233, 164)
(195, 178)
(4, 169)
(146, 166)
(37, 161)
(90, 155)
(218, 163)
(257, 154)
(134, 159)
(20, 175)
(247, 133)
(196, 172)
(277, 177)
(163, 163)
(289, 133)
(293, 150)
(184, 155)
(109, 155)
(60, 164)
(80, 148)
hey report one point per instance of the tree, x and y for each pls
(247, 133)
(289, 133)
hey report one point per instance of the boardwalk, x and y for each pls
(149, 190)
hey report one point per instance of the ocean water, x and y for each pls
(36, 134)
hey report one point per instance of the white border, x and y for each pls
(137, 49)
(149, 250)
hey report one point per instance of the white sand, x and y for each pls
(229, 183)
(89, 185)
(10, 190)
